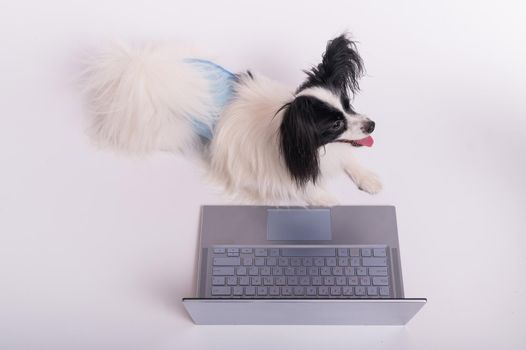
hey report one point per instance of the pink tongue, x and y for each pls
(368, 141)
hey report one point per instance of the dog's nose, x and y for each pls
(368, 127)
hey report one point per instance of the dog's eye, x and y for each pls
(337, 125)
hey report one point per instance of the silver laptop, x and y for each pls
(297, 265)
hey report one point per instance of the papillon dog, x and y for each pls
(263, 142)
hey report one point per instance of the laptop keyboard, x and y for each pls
(299, 272)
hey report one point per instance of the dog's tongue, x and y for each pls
(368, 141)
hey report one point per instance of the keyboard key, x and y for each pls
(343, 261)
(260, 252)
(349, 271)
(337, 271)
(319, 262)
(273, 252)
(354, 251)
(226, 261)
(247, 261)
(277, 271)
(347, 290)
(241, 270)
(232, 254)
(244, 281)
(325, 271)
(262, 291)
(219, 250)
(374, 261)
(218, 281)
(286, 290)
(311, 291)
(232, 250)
(372, 290)
(307, 262)
(268, 280)
(317, 281)
(336, 290)
(272, 261)
(308, 252)
(221, 290)
(283, 261)
(265, 271)
(341, 281)
(343, 252)
(295, 261)
(380, 281)
(299, 290)
(301, 271)
(353, 281)
(365, 281)
(253, 271)
(379, 252)
(323, 290)
(256, 281)
(304, 281)
(366, 252)
(313, 271)
(289, 271)
(273, 290)
(328, 281)
(237, 290)
(361, 271)
(384, 291)
(359, 290)
(246, 250)
(292, 281)
(231, 280)
(259, 261)
(250, 290)
(331, 262)
(281, 281)
(378, 271)
(222, 271)
(355, 261)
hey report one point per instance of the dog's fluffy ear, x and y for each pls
(299, 140)
(340, 69)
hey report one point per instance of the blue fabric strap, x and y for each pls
(221, 89)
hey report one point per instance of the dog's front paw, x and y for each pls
(322, 198)
(369, 183)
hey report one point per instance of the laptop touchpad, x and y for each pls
(299, 225)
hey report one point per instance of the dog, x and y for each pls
(263, 142)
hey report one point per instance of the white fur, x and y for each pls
(141, 99)
(245, 150)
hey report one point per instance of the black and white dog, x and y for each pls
(263, 142)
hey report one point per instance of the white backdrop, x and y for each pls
(96, 249)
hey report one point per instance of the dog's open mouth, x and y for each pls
(366, 141)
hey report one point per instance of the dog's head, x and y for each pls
(321, 111)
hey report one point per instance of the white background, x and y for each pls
(97, 249)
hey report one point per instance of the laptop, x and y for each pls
(261, 265)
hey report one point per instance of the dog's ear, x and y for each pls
(299, 140)
(340, 69)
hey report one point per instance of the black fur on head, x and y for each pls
(308, 123)
(339, 71)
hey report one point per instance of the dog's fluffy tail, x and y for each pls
(148, 98)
